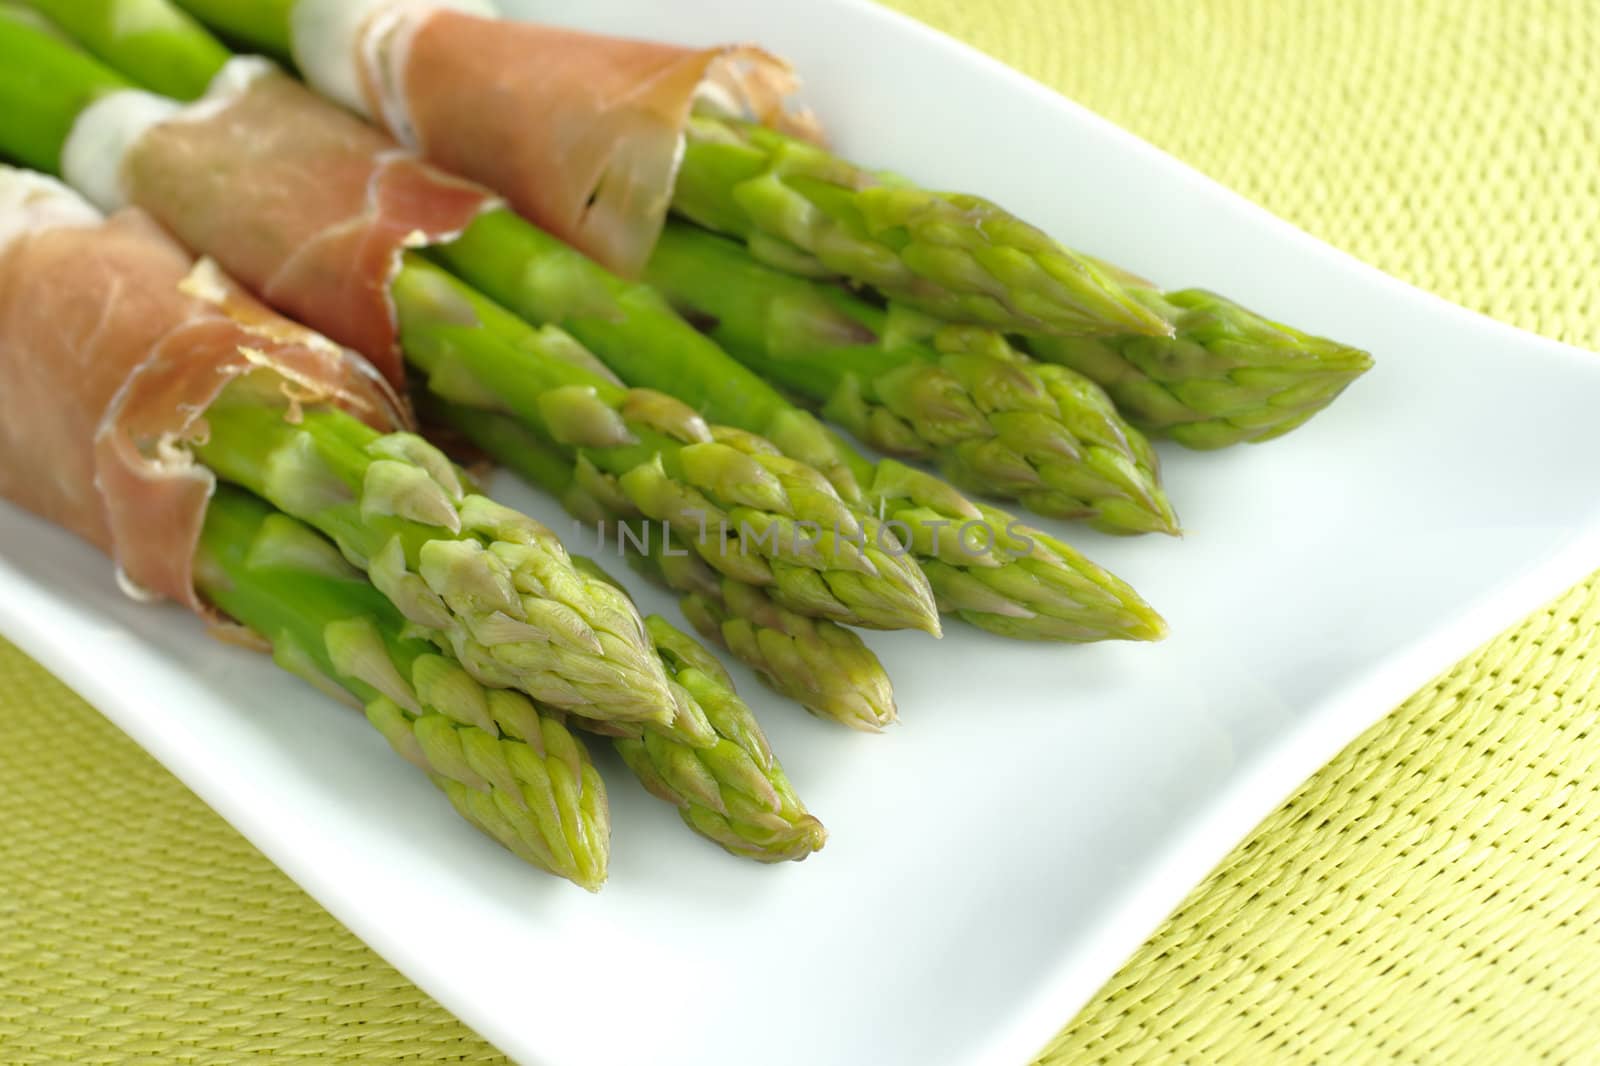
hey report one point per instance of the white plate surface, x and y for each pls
(997, 856)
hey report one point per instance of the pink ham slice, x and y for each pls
(112, 346)
(580, 133)
(305, 204)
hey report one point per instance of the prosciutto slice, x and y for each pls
(305, 204)
(113, 343)
(580, 133)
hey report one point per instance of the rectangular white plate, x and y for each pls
(997, 856)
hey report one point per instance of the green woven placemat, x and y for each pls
(1431, 896)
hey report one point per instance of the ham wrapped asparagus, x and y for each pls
(192, 379)
(1019, 586)
(315, 210)
(113, 346)
(1189, 365)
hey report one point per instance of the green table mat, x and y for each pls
(1432, 895)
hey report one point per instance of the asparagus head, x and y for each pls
(1226, 376)
(491, 585)
(714, 763)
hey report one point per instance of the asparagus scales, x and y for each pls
(819, 664)
(714, 763)
(512, 770)
(1190, 365)
(911, 386)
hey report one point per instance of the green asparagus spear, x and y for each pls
(52, 84)
(959, 257)
(493, 586)
(512, 770)
(1226, 376)
(263, 25)
(153, 42)
(819, 664)
(759, 517)
(994, 420)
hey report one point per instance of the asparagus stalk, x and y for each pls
(493, 586)
(819, 664)
(151, 41)
(510, 768)
(261, 24)
(542, 280)
(956, 256)
(994, 420)
(53, 83)
(751, 513)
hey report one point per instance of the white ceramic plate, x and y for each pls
(996, 857)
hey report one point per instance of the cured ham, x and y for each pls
(302, 202)
(581, 133)
(113, 343)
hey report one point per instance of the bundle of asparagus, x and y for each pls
(657, 457)
(1189, 365)
(132, 380)
(985, 566)
(742, 160)
(515, 772)
(246, 158)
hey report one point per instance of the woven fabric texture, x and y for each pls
(1430, 896)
